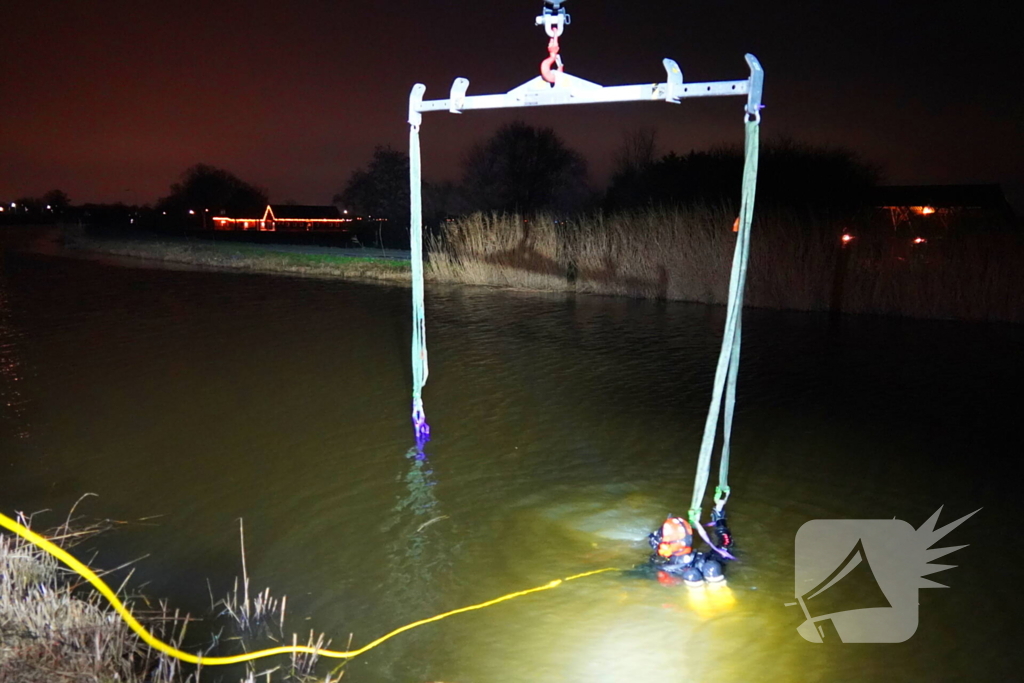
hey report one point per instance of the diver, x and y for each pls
(674, 554)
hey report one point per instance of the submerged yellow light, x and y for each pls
(710, 601)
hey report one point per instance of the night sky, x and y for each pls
(111, 100)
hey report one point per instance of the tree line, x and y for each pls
(527, 170)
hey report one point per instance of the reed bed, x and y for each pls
(795, 262)
(499, 250)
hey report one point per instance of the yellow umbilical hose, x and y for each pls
(157, 644)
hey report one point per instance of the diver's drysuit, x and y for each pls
(674, 554)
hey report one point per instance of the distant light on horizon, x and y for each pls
(847, 238)
(919, 240)
(191, 212)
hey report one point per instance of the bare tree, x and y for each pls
(381, 189)
(57, 200)
(637, 152)
(522, 169)
(207, 188)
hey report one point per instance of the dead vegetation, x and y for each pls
(54, 629)
(49, 631)
(795, 263)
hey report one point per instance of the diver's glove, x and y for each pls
(722, 533)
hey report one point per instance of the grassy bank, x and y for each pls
(54, 628)
(240, 256)
(968, 273)
(685, 255)
(49, 631)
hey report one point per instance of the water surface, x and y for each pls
(564, 430)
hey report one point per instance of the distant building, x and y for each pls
(292, 217)
(913, 205)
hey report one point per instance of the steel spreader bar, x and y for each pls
(569, 89)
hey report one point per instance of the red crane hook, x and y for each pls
(552, 60)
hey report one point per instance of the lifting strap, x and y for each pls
(729, 357)
(420, 368)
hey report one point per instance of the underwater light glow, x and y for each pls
(635, 649)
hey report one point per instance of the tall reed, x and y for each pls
(501, 250)
(685, 254)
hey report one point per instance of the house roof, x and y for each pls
(298, 212)
(940, 196)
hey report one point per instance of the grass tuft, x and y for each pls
(50, 630)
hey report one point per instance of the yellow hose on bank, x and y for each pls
(157, 644)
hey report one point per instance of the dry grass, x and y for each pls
(500, 251)
(53, 630)
(50, 632)
(261, 619)
(656, 254)
(685, 255)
